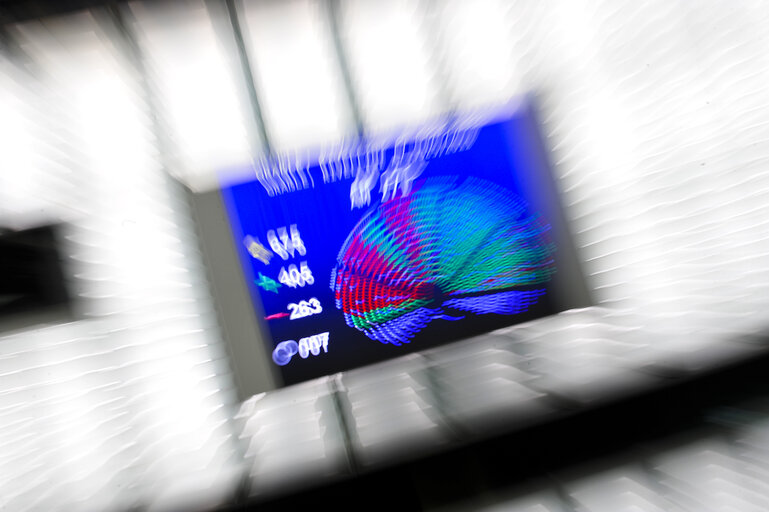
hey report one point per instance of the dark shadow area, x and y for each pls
(32, 278)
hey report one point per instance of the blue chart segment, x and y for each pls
(453, 246)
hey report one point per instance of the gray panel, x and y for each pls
(240, 328)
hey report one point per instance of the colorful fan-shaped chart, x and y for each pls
(454, 246)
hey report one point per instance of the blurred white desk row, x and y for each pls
(424, 403)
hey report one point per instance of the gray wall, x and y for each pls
(241, 330)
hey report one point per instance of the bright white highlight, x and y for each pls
(305, 308)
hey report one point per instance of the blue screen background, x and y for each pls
(508, 153)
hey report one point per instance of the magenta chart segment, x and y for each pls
(372, 251)
(452, 243)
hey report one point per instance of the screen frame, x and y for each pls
(247, 337)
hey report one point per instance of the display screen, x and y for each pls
(374, 250)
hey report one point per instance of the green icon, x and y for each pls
(268, 284)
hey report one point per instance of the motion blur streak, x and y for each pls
(127, 405)
(190, 61)
(657, 115)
